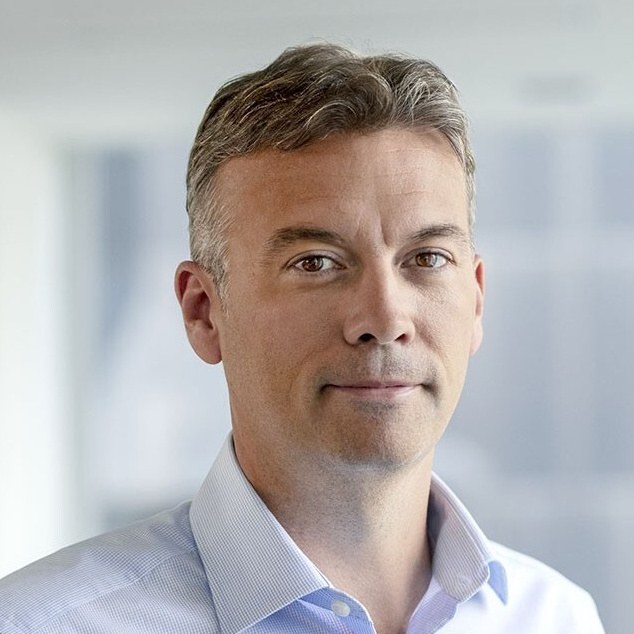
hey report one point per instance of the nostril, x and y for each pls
(366, 336)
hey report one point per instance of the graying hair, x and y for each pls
(307, 94)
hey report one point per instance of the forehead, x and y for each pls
(394, 172)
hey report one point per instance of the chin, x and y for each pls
(385, 450)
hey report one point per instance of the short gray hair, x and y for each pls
(307, 94)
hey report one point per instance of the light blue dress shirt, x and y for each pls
(225, 565)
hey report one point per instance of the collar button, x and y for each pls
(340, 608)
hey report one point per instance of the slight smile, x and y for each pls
(375, 391)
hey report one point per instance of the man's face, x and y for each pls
(353, 301)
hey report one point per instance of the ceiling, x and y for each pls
(109, 71)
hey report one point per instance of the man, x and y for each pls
(333, 274)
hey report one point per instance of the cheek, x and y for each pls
(280, 340)
(447, 324)
(306, 317)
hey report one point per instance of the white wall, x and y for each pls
(36, 444)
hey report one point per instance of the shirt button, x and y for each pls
(340, 608)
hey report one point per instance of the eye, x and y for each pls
(431, 259)
(315, 264)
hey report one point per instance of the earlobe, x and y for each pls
(476, 338)
(200, 306)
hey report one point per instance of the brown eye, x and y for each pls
(430, 260)
(312, 264)
(315, 264)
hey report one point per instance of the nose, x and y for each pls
(379, 310)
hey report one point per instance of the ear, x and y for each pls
(201, 306)
(478, 270)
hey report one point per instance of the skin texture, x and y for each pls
(354, 301)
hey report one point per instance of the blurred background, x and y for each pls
(106, 415)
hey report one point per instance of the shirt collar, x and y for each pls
(462, 558)
(252, 565)
(254, 568)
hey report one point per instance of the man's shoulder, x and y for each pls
(543, 594)
(531, 571)
(100, 574)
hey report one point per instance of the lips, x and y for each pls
(374, 389)
(372, 384)
(380, 375)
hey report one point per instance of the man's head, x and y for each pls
(330, 202)
(306, 95)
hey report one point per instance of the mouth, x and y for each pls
(374, 390)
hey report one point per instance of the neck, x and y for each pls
(364, 529)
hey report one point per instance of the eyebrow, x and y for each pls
(289, 235)
(444, 230)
